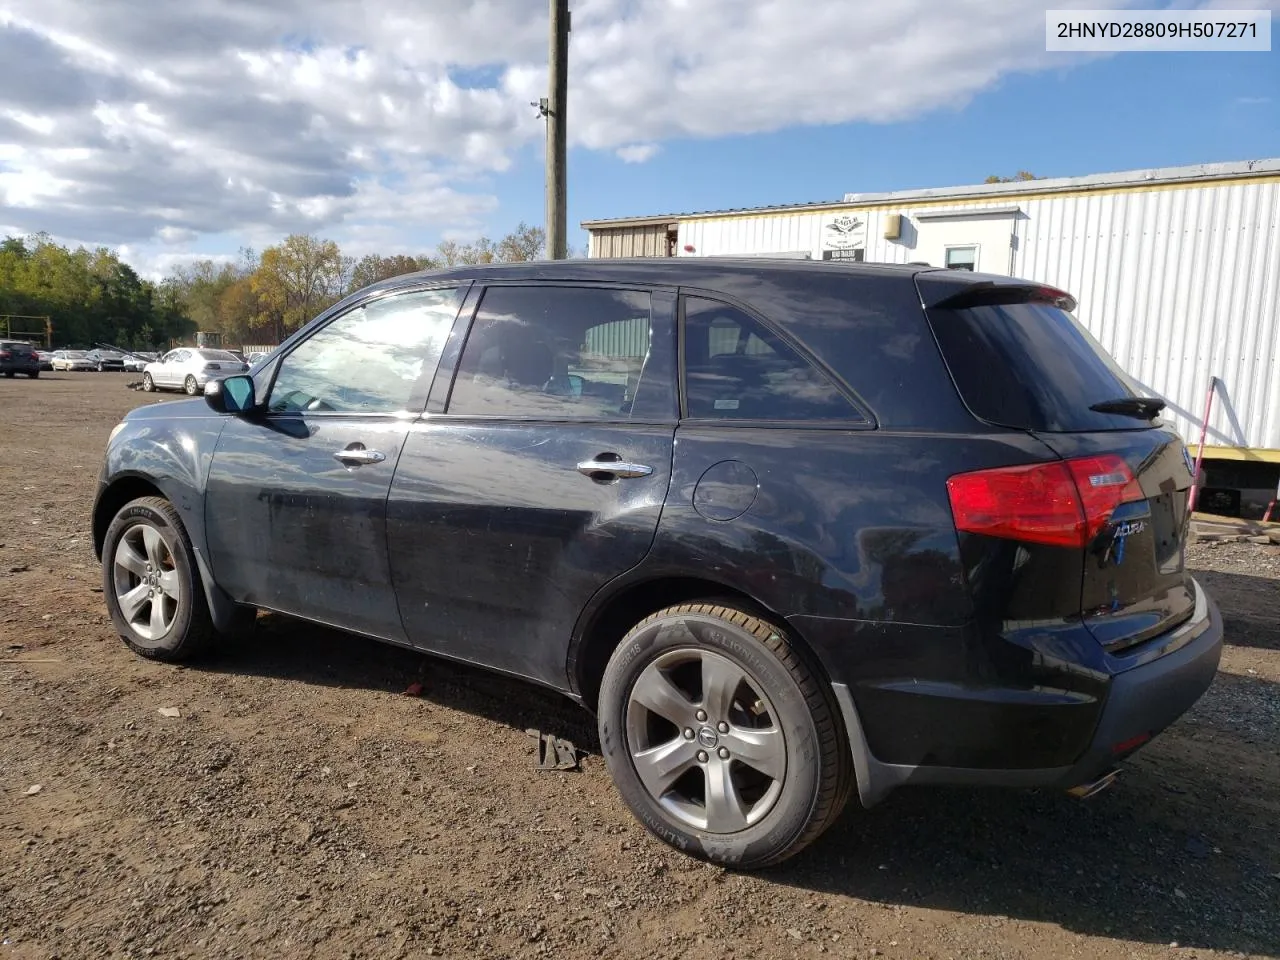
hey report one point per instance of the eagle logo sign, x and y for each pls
(845, 231)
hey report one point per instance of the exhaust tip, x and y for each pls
(1086, 790)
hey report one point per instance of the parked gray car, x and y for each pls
(190, 368)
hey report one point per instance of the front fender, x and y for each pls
(166, 449)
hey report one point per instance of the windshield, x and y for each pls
(75, 354)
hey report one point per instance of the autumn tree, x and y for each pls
(1018, 177)
(523, 243)
(295, 281)
(372, 268)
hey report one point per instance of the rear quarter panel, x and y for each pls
(849, 538)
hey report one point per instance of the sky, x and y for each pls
(175, 131)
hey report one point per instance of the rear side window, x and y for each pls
(735, 368)
(1031, 366)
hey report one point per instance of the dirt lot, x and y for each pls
(302, 806)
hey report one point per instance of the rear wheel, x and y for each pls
(153, 592)
(147, 383)
(33, 374)
(720, 737)
(191, 386)
(11, 374)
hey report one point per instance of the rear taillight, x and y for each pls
(1063, 504)
(1104, 483)
(5, 354)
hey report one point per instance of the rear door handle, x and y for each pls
(622, 469)
(356, 454)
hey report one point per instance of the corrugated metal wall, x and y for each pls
(777, 233)
(1179, 283)
(646, 240)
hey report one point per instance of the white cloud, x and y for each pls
(152, 124)
(638, 152)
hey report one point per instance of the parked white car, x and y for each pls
(71, 360)
(190, 368)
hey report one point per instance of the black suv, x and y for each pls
(18, 357)
(790, 529)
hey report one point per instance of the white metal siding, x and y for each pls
(1179, 283)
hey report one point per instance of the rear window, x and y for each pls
(1031, 366)
(217, 355)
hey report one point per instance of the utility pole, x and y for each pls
(555, 108)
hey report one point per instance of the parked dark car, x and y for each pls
(105, 361)
(790, 529)
(18, 357)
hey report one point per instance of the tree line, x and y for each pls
(92, 296)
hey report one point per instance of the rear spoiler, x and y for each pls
(989, 293)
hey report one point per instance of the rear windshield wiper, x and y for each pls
(1144, 408)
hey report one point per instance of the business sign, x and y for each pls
(846, 231)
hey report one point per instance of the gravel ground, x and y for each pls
(300, 805)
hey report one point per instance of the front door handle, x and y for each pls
(620, 469)
(356, 454)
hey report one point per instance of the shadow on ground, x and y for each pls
(286, 649)
(1136, 863)
(1250, 607)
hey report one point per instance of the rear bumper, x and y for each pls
(1141, 702)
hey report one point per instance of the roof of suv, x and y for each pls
(667, 270)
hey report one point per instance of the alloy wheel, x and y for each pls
(147, 584)
(704, 740)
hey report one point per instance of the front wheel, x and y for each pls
(147, 383)
(191, 386)
(153, 591)
(721, 738)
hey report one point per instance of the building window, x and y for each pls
(845, 254)
(962, 258)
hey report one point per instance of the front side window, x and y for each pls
(737, 369)
(370, 359)
(554, 353)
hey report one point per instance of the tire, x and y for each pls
(33, 374)
(795, 772)
(11, 374)
(190, 386)
(147, 383)
(149, 579)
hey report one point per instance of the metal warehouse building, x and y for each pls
(1177, 272)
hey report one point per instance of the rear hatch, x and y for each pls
(19, 353)
(1021, 360)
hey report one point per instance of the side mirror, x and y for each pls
(231, 395)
